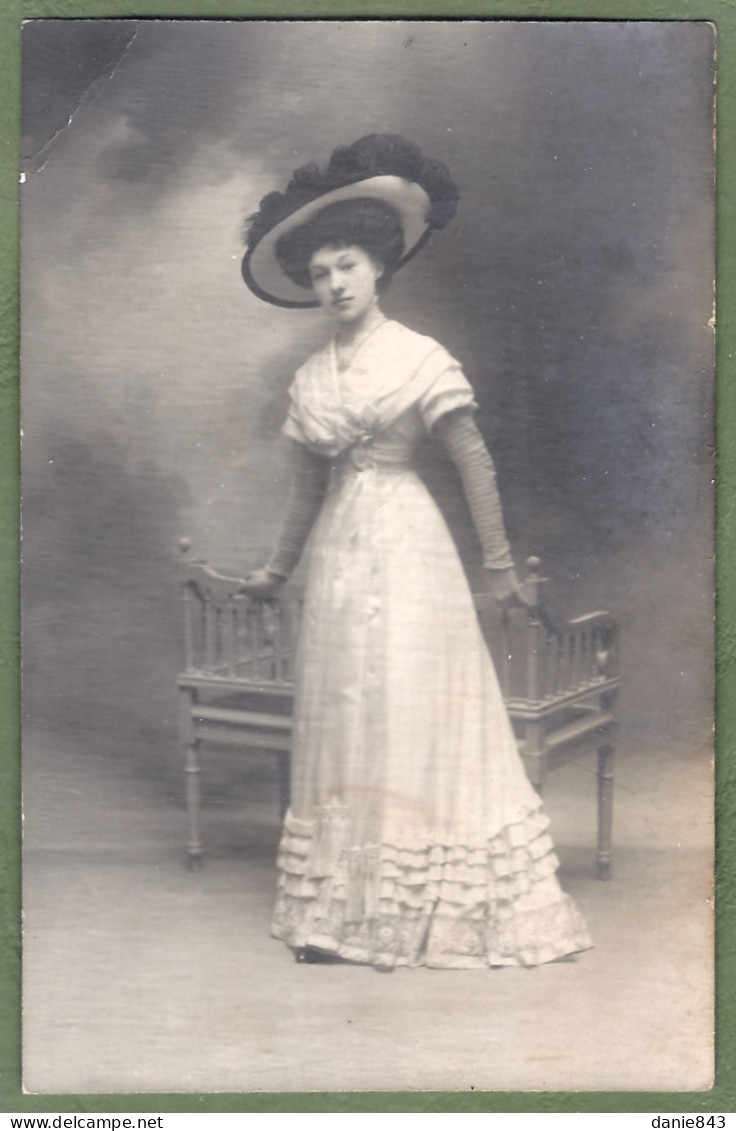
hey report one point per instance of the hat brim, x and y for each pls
(261, 269)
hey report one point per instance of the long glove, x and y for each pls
(309, 480)
(466, 446)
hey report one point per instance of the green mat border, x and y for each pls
(722, 13)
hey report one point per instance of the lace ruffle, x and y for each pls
(439, 905)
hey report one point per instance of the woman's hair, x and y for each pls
(369, 224)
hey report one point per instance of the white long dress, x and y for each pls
(414, 836)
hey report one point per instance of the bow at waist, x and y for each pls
(367, 454)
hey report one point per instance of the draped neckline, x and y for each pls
(342, 388)
(335, 410)
(341, 369)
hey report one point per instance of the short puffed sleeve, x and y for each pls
(292, 425)
(444, 388)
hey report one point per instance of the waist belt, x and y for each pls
(363, 456)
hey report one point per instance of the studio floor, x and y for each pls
(143, 976)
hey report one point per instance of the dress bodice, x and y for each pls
(387, 447)
(396, 387)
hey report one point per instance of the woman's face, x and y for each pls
(344, 280)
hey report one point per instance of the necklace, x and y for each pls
(345, 357)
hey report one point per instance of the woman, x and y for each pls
(414, 836)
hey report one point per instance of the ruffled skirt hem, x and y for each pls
(435, 905)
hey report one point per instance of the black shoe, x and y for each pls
(313, 956)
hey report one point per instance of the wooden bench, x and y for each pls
(560, 683)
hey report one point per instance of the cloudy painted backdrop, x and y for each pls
(575, 285)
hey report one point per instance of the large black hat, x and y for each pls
(381, 167)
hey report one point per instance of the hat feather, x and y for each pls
(370, 156)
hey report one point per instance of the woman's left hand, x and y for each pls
(505, 588)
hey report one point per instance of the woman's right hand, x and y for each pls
(262, 583)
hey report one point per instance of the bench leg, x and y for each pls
(605, 812)
(192, 776)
